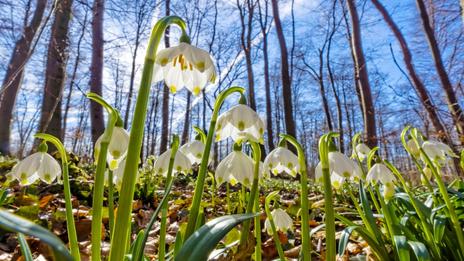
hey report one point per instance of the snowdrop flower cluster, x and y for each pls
(39, 165)
(182, 163)
(281, 160)
(362, 150)
(194, 151)
(237, 167)
(341, 169)
(438, 151)
(380, 174)
(117, 148)
(282, 221)
(186, 66)
(240, 123)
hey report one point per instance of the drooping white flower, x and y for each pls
(438, 151)
(236, 167)
(184, 65)
(413, 148)
(341, 169)
(379, 173)
(117, 148)
(181, 163)
(39, 165)
(282, 221)
(194, 151)
(388, 191)
(240, 123)
(362, 150)
(281, 160)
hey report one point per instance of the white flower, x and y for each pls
(362, 150)
(388, 191)
(437, 151)
(236, 167)
(117, 148)
(341, 168)
(194, 151)
(336, 179)
(379, 173)
(413, 148)
(39, 165)
(281, 160)
(181, 163)
(184, 66)
(282, 221)
(240, 123)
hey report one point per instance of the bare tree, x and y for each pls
(263, 21)
(165, 99)
(362, 77)
(14, 74)
(96, 69)
(453, 103)
(55, 75)
(286, 81)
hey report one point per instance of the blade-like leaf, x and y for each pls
(420, 250)
(439, 224)
(200, 244)
(11, 222)
(366, 206)
(25, 250)
(402, 247)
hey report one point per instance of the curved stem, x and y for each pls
(200, 183)
(253, 193)
(164, 200)
(305, 230)
(275, 236)
(257, 222)
(122, 223)
(70, 226)
(111, 201)
(328, 200)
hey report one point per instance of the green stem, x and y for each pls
(99, 182)
(111, 201)
(119, 238)
(275, 235)
(253, 193)
(257, 223)
(387, 217)
(228, 198)
(164, 200)
(70, 226)
(328, 201)
(162, 239)
(200, 183)
(305, 229)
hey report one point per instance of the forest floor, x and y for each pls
(44, 204)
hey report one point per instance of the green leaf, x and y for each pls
(420, 250)
(25, 250)
(402, 248)
(366, 206)
(136, 248)
(14, 223)
(204, 240)
(178, 243)
(439, 224)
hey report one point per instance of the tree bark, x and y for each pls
(286, 81)
(186, 128)
(55, 75)
(453, 103)
(363, 78)
(267, 83)
(14, 75)
(165, 99)
(96, 69)
(418, 85)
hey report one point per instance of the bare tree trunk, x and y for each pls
(363, 78)
(96, 69)
(73, 77)
(165, 100)
(14, 75)
(267, 84)
(245, 37)
(419, 86)
(186, 128)
(55, 75)
(286, 81)
(453, 103)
